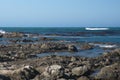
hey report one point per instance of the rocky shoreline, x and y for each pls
(18, 61)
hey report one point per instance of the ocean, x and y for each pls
(77, 34)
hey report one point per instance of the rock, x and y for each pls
(78, 71)
(72, 48)
(61, 79)
(73, 59)
(25, 73)
(26, 40)
(45, 46)
(2, 77)
(1, 35)
(45, 39)
(86, 47)
(111, 72)
(83, 78)
(13, 35)
(117, 51)
(53, 71)
(53, 46)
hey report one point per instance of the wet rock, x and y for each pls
(62, 79)
(72, 48)
(1, 35)
(116, 51)
(46, 39)
(53, 71)
(26, 40)
(2, 77)
(32, 56)
(13, 35)
(73, 59)
(45, 46)
(111, 72)
(83, 78)
(53, 46)
(25, 73)
(86, 47)
(78, 71)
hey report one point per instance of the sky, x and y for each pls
(60, 13)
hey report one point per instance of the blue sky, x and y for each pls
(59, 13)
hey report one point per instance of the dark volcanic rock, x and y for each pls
(2, 77)
(1, 35)
(72, 48)
(26, 40)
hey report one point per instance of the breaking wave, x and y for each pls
(2, 32)
(96, 28)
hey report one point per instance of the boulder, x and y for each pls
(78, 71)
(111, 72)
(2, 77)
(72, 48)
(25, 73)
(53, 46)
(86, 47)
(83, 78)
(54, 71)
(1, 35)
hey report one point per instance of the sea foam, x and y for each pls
(96, 28)
(2, 32)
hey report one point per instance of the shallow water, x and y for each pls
(84, 53)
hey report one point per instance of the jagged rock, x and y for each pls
(86, 47)
(2, 77)
(83, 78)
(111, 72)
(1, 35)
(25, 73)
(78, 71)
(26, 40)
(53, 71)
(53, 46)
(73, 59)
(72, 48)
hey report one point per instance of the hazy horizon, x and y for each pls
(59, 13)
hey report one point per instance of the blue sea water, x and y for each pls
(71, 33)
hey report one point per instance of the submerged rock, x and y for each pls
(72, 48)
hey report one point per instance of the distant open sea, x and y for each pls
(111, 34)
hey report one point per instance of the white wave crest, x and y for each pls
(96, 28)
(107, 46)
(2, 32)
(104, 45)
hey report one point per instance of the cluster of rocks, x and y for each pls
(16, 62)
(86, 46)
(105, 67)
(23, 51)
